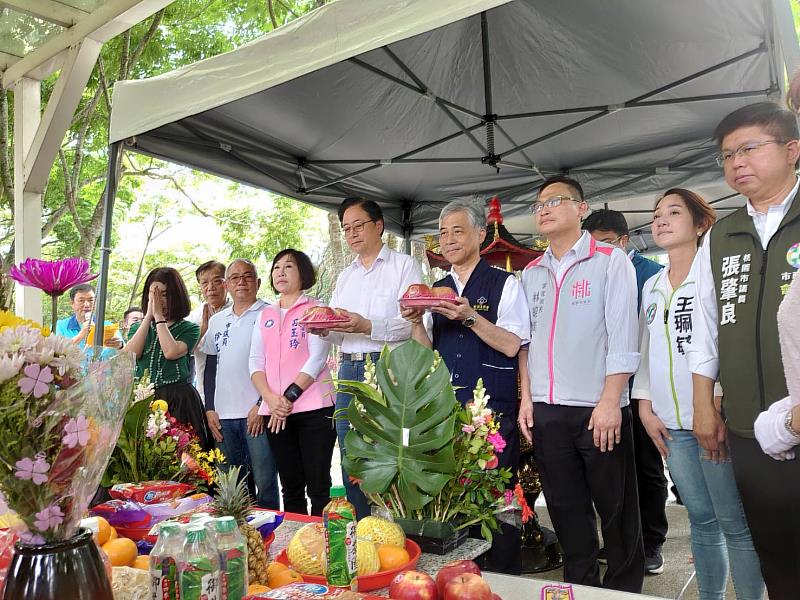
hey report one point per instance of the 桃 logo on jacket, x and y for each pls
(650, 313)
(269, 323)
(581, 290)
(793, 256)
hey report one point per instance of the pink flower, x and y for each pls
(49, 517)
(76, 432)
(31, 538)
(468, 428)
(492, 462)
(509, 493)
(35, 471)
(53, 277)
(465, 481)
(36, 380)
(496, 440)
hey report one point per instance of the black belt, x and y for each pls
(360, 356)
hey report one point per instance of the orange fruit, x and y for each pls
(113, 535)
(392, 557)
(103, 531)
(142, 562)
(121, 552)
(257, 588)
(284, 577)
(274, 568)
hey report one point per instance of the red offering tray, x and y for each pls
(366, 583)
(425, 302)
(326, 324)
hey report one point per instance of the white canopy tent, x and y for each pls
(413, 103)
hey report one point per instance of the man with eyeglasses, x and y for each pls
(232, 401)
(610, 226)
(575, 409)
(743, 270)
(368, 291)
(211, 279)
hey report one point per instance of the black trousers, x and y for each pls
(652, 486)
(303, 452)
(577, 479)
(770, 491)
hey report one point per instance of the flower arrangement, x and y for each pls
(154, 446)
(53, 277)
(57, 426)
(418, 454)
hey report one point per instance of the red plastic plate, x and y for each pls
(428, 302)
(326, 324)
(367, 583)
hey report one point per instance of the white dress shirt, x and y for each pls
(228, 337)
(374, 294)
(196, 317)
(512, 310)
(703, 352)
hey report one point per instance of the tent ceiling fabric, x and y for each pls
(389, 99)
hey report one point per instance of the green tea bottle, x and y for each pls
(164, 560)
(198, 570)
(232, 549)
(339, 517)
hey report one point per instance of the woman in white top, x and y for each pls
(663, 386)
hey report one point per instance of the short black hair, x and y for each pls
(130, 310)
(372, 208)
(569, 181)
(178, 304)
(774, 118)
(308, 277)
(209, 264)
(606, 219)
(82, 287)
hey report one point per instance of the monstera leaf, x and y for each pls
(403, 434)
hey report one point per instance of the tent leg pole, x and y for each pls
(407, 227)
(114, 155)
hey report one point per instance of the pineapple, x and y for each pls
(233, 500)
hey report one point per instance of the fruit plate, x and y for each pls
(367, 583)
(326, 324)
(424, 302)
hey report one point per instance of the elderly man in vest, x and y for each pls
(743, 270)
(479, 337)
(583, 350)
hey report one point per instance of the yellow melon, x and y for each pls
(380, 531)
(306, 550)
(368, 559)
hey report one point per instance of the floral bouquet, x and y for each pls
(154, 446)
(418, 454)
(58, 425)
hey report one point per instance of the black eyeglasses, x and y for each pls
(356, 227)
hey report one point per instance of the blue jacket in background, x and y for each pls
(645, 269)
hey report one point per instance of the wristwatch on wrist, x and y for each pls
(470, 321)
(787, 422)
(259, 401)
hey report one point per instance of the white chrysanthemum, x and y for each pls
(40, 355)
(143, 392)
(10, 366)
(19, 339)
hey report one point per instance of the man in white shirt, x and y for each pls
(479, 336)
(368, 292)
(743, 270)
(231, 399)
(211, 278)
(584, 347)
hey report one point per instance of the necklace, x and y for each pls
(158, 362)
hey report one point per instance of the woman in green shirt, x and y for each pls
(163, 342)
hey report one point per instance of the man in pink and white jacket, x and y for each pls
(584, 347)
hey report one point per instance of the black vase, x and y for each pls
(70, 569)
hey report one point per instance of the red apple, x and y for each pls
(413, 585)
(468, 586)
(454, 569)
(496, 597)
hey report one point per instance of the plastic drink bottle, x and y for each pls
(232, 549)
(198, 569)
(340, 539)
(164, 560)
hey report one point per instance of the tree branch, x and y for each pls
(5, 153)
(151, 31)
(272, 17)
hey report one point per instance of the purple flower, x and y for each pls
(30, 538)
(36, 380)
(76, 431)
(496, 440)
(35, 471)
(49, 517)
(53, 277)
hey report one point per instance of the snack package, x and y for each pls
(310, 591)
(557, 592)
(150, 492)
(122, 513)
(7, 540)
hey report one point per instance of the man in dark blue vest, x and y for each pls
(480, 337)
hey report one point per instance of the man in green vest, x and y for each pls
(743, 271)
